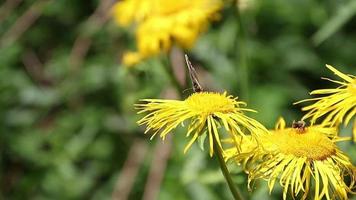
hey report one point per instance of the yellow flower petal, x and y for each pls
(296, 158)
(340, 74)
(336, 105)
(160, 24)
(131, 58)
(205, 110)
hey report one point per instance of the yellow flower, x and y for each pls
(130, 11)
(162, 23)
(338, 105)
(131, 58)
(207, 112)
(297, 157)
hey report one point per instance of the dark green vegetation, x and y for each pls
(67, 121)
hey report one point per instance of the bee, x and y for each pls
(299, 125)
(193, 76)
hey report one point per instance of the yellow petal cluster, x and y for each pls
(298, 158)
(207, 112)
(162, 23)
(337, 105)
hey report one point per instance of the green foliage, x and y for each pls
(67, 119)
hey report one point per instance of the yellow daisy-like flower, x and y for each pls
(207, 112)
(339, 104)
(298, 156)
(131, 11)
(162, 23)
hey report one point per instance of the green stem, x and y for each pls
(243, 56)
(234, 190)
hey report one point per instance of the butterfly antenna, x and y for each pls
(193, 75)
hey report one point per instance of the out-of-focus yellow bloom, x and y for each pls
(162, 23)
(207, 112)
(339, 104)
(127, 12)
(131, 58)
(297, 157)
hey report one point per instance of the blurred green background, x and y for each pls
(68, 126)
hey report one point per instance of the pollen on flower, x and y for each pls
(311, 144)
(209, 103)
(297, 161)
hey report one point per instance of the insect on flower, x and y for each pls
(299, 125)
(337, 105)
(298, 160)
(206, 113)
(193, 76)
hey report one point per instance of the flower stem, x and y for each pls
(234, 190)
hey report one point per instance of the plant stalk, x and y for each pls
(236, 193)
(234, 190)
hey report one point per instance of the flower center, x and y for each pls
(209, 103)
(311, 143)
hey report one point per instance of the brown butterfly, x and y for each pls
(193, 76)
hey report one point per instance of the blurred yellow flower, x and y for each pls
(207, 112)
(339, 104)
(131, 58)
(162, 23)
(296, 156)
(131, 11)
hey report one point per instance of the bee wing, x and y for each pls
(193, 75)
